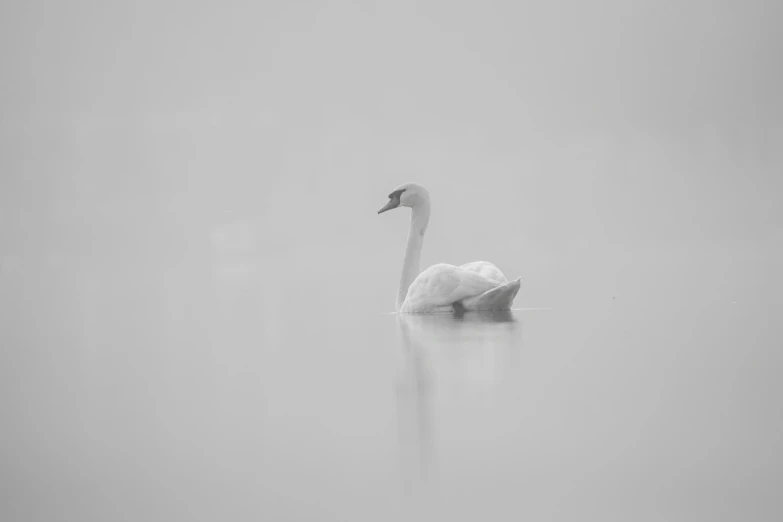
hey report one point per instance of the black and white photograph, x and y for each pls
(381, 261)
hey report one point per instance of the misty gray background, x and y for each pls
(193, 277)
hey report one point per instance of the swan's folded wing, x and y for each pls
(446, 284)
(486, 269)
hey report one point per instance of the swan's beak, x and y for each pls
(393, 203)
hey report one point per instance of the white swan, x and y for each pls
(440, 288)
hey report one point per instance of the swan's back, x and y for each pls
(443, 285)
(488, 270)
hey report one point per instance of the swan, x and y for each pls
(443, 288)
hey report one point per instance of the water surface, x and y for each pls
(175, 388)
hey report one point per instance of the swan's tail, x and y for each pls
(499, 298)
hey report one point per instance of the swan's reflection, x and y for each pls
(447, 358)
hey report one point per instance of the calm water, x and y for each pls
(223, 386)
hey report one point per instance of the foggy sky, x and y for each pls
(607, 120)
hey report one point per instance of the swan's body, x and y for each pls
(475, 286)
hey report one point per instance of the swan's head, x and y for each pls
(407, 195)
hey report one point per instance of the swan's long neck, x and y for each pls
(420, 216)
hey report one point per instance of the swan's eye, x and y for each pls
(396, 194)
